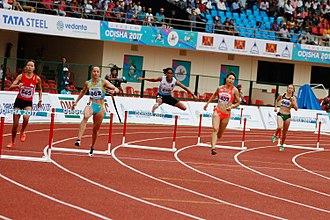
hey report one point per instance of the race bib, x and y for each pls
(286, 103)
(26, 92)
(224, 98)
(95, 93)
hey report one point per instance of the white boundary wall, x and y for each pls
(139, 111)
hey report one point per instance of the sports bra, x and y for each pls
(96, 91)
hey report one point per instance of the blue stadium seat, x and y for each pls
(250, 33)
(263, 14)
(258, 34)
(214, 13)
(246, 21)
(209, 28)
(271, 35)
(242, 16)
(267, 25)
(209, 17)
(251, 17)
(255, 7)
(229, 14)
(221, 14)
(238, 21)
(271, 19)
(235, 15)
(256, 12)
(248, 12)
(265, 19)
(258, 18)
(264, 35)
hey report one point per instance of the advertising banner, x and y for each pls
(139, 111)
(133, 66)
(302, 120)
(147, 35)
(182, 71)
(49, 24)
(244, 46)
(7, 103)
(311, 53)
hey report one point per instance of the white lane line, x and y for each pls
(116, 191)
(189, 190)
(54, 199)
(4, 217)
(243, 187)
(271, 177)
(303, 168)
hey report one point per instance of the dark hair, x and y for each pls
(27, 61)
(167, 69)
(231, 74)
(115, 68)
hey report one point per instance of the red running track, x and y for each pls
(255, 184)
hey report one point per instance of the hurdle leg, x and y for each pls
(110, 134)
(2, 127)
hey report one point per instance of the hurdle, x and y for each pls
(46, 156)
(241, 122)
(199, 143)
(86, 151)
(317, 148)
(318, 119)
(172, 149)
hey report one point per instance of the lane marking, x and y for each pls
(184, 201)
(113, 153)
(274, 178)
(4, 217)
(54, 199)
(307, 170)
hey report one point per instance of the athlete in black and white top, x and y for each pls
(167, 84)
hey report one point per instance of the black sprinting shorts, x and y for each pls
(22, 104)
(168, 99)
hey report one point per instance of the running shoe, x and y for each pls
(10, 145)
(22, 137)
(213, 151)
(91, 153)
(77, 143)
(281, 148)
(274, 138)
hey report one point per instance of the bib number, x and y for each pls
(224, 99)
(95, 93)
(26, 92)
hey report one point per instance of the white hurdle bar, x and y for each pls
(317, 148)
(46, 156)
(317, 120)
(99, 152)
(241, 123)
(220, 146)
(172, 149)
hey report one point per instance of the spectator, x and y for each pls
(1, 71)
(221, 6)
(264, 6)
(75, 9)
(288, 10)
(113, 78)
(326, 103)
(160, 18)
(274, 26)
(61, 8)
(66, 89)
(137, 7)
(141, 15)
(149, 18)
(284, 34)
(89, 10)
(235, 7)
(241, 96)
(130, 15)
(26, 7)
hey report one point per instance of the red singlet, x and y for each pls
(224, 97)
(26, 91)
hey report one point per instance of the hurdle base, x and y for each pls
(71, 150)
(221, 146)
(33, 159)
(149, 148)
(302, 148)
(239, 128)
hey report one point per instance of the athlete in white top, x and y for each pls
(167, 84)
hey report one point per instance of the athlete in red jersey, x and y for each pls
(227, 95)
(26, 83)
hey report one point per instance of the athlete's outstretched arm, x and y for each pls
(40, 91)
(16, 83)
(294, 103)
(150, 79)
(109, 85)
(81, 94)
(185, 88)
(211, 98)
(276, 102)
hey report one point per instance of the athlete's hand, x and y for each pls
(275, 109)
(205, 107)
(116, 90)
(195, 97)
(139, 79)
(20, 85)
(39, 104)
(73, 105)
